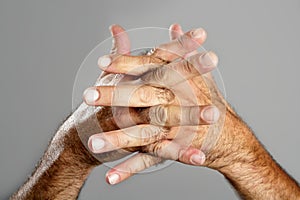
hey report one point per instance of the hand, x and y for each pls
(237, 154)
(122, 119)
(181, 81)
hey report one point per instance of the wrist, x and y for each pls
(236, 144)
(241, 158)
(75, 153)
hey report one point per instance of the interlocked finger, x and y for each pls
(137, 65)
(175, 31)
(128, 95)
(171, 150)
(142, 161)
(169, 115)
(177, 72)
(131, 166)
(179, 47)
(160, 117)
(130, 137)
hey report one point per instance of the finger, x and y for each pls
(169, 116)
(137, 65)
(170, 150)
(179, 47)
(128, 64)
(121, 42)
(128, 95)
(177, 72)
(129, 137)
(175, 31)
(142, 161)
(131, 166)
(141, 135)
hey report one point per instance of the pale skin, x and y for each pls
(237, 154)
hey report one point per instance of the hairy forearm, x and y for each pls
(67, 163)
(61, 180)
(262, 179)
(251, 169)
(242, 159)
(63, 168)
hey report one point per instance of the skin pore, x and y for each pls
(237, 153)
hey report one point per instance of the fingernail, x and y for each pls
(91, 95)
(198, 33)
(97, 144)
(104, 61)
(209, 59)
(210, 114)
(198, 159)
(113, 178)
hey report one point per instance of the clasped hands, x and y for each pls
(165, 103)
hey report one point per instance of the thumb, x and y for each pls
(121, 43)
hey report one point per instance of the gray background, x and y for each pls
(42, 44)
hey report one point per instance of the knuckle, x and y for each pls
(151, 134)
(156, 60)
(148, 95)
(145, 94)
(156, 76)
(146, 135)
(122, 60)
(181, 41)
(164, 95)
(186, 43)
(149, 160)
(187, 67)
(155, 149)
(193, 115)
(158, 115)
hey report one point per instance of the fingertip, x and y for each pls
(198, 33)
(111, 27)
(214, 57)
(197, 158)
(209, 60)
(91, 95)
(175, 27)
(104, 61)
(96, 144)
(115, 29)
(193, 156)
(210, 114)
(113, 179)
(175, 31)
(121, 42)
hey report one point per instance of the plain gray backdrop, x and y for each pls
(42, 44)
